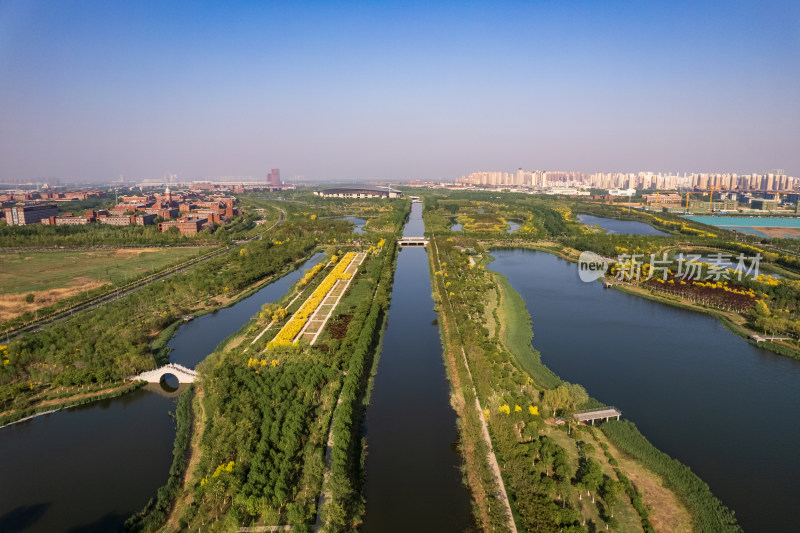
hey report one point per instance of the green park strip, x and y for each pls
(482, 474)
(516, 332)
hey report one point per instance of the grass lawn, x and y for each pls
(51, 276)
(516, 334)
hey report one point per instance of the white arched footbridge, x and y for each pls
(184, 375)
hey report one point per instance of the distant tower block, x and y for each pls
(274, 178)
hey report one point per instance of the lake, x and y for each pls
(358, 222)
(697, 391)
(626, 227)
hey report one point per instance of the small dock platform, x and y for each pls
(603, 414)
(762, 338)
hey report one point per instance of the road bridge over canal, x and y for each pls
(413, 241)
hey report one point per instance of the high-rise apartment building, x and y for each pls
(274, 178)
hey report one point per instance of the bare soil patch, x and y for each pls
(791, 233)
(127, 252)
(13, 305)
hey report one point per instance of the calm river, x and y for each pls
(89, 468)
(413, 477)
(697, 391)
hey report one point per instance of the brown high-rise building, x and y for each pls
(274, 178)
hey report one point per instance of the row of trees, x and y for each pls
(360, 341)
(38, 235)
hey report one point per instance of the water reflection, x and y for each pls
(169, 383)
(691, 386)
(358, 222)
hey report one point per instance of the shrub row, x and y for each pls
(347, 414)
(709, 513)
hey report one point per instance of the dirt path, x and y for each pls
(198, 427)
(459, 404)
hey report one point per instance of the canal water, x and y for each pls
(413, 466)
(198, 338)
(626, 227)
(89, 468)
(697, 391)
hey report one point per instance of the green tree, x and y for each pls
(589, 476)
(609, 491)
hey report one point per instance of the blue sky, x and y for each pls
(361, 90)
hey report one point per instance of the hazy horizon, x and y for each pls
(378, 91)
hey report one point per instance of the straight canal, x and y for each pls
(413, 466)
(697, 391)
(89, 468)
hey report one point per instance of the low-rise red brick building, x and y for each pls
(186, 226)
(166, 214)
(20, 215)
(67, 221)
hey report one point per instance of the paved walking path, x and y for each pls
(316, 322)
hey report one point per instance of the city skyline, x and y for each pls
(775, 180)
(365, 91)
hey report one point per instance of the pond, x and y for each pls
(359, 224)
